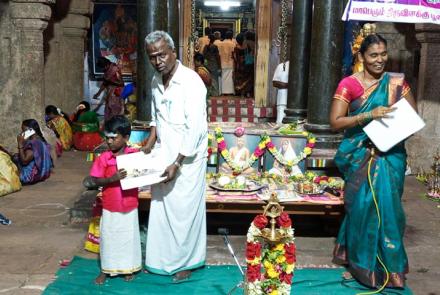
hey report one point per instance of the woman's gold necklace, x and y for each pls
(370, 83)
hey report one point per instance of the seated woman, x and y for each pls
(85, 123)
(9, 174)
(33, 158)
(60, 126)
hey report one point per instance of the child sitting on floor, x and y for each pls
(120, 252)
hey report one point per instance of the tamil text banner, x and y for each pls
(403, 11)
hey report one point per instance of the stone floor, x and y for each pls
(41, 234)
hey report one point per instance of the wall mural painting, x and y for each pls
(114, 36)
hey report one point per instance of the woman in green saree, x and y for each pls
(370, 241)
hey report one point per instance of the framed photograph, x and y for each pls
(114, 36)
(289, 148)
(240, 150)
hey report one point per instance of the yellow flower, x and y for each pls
(279, 247)
(307, 150)
(281, 259)
(225, 153)
(220, 139)
(290, 268)
(272, 273)
(210, 136)
(289, 163)
(255, 261)
(218, 130)
(274, 292)
(312, 140)
(267, 264)
(261, 146)
(305, 133)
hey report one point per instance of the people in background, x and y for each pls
(176, 240)
(203, 41)
(371, 235)
(280, 81)
(85, 124)
(120, 244)
(203, 72)
(9, 174)
(112, 84)
(129, 96)
(242, 80)
(249, 63)
(213, 64)
(226, 50)
(33, 158)
(60, 126)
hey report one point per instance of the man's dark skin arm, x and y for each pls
(280, 85)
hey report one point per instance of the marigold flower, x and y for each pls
(272, 273)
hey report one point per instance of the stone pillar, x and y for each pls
(67, 48)
(152, 15)
(299, 60)
(29, 19)
(173, 20)
(424, 144)
(325, 68)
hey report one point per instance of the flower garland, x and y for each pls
(311, 140)
(265, 143)
(278, 260)
(237, 169)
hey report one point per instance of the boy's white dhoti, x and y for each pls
(120, 245)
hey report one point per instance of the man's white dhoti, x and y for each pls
(227, 81)
(178, 241)
(120, 245)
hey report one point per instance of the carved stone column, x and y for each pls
(299, 60)
(66, 39)
(152, 15)
(424, 144)
(325, 68)
(29, 19)
(173, 20)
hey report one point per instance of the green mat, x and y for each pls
(78, 278)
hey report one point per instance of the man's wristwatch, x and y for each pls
(177, 163)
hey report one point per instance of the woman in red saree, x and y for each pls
(113, 84)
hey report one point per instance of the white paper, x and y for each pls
(387, 132)
(141, 169)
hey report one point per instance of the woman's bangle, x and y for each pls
(360, 119)
(178, 164)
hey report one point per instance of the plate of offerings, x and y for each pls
(235, 184)
(307, 188)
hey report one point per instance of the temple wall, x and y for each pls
(65, 49)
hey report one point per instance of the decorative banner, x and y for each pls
(401, 11)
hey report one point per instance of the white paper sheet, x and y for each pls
(141, 169)
(387, 132)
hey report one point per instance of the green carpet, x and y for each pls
(78, 278)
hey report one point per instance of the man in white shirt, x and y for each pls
(280, 81)
(176, 240)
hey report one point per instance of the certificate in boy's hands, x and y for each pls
(402, 123)
(142, 169)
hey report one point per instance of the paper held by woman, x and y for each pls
(142, 169)
(402, 123)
